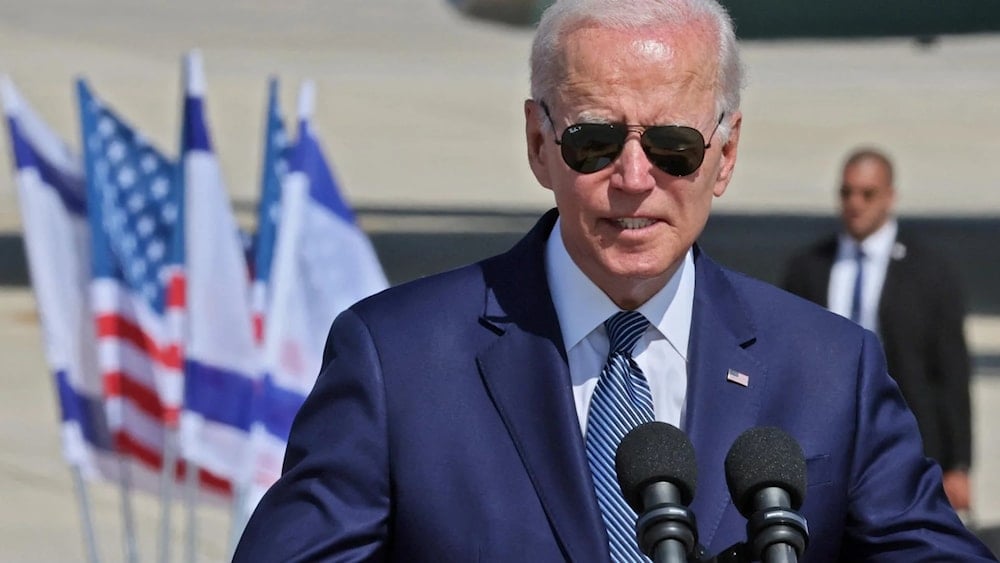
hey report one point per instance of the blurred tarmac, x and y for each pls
(421, 108)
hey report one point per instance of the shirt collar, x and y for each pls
(876, 246)
(581, 306)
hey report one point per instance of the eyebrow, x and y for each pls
(591, 117)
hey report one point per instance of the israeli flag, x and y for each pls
(51, 193)
(221, 357)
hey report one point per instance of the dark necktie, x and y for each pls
(859, 259)
(621, 401)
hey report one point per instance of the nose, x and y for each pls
(852, 201)
(633, 170)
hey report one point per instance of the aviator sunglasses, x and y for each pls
(678, 150)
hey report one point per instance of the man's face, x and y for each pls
(628, 226)
(866, 197)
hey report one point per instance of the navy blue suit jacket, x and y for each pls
(442, 428)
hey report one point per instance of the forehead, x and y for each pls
(646, 73)
(866, 173)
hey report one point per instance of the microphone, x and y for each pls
(657, 473)
(766, 474)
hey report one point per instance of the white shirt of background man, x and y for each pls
(878, 249)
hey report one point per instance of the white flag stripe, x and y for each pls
(228, 443)
(264, 467)
(218, 289)
(111, 298)
(142, 428)
(117, 355)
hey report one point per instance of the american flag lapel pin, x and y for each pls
(738, 378)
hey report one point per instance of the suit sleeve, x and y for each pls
(332, 500)
(897, 508)
(951, 369)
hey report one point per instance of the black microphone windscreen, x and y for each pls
(765, 457)
(652, 452)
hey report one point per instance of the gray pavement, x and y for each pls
(420, 107)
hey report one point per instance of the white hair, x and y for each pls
(566, 15)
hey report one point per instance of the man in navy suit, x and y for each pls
(452, 420)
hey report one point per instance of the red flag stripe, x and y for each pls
(152, 458)
(258, 328)
(120, 384)
(177, 292)
(116, 326)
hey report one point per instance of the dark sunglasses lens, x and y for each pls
(589, 147)
(675, 149)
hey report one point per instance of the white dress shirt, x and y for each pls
(877, 249)
(661, 352)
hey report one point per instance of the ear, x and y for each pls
(535, 136)
(727, 161)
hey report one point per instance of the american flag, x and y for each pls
(138, 287)
(274, 169)
(738, 377)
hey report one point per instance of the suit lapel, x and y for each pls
(894, 274)
(718, 409)
(527, 376)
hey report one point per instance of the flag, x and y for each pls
(137, 287)
(221, 361)
(738, 377)
(323, 263)
(50, 182)
(273, 171)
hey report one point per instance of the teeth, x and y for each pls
(634, 223)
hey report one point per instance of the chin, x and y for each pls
(642, 269)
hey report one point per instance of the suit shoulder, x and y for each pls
(436, 291)
(825, 247)
(924, 262)
(776, 309)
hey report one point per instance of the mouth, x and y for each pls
(632, 223)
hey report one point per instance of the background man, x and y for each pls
(907, 295)
(474, 415)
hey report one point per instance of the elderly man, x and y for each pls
(473, 415)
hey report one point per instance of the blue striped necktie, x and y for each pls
(621, 401)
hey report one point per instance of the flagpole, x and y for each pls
(89, 538)
(167, 476)
(128, 520)
(238, 518)
(191, 500)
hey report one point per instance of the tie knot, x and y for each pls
(624, 329)
(859, 253)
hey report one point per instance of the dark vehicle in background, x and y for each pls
(802, 19)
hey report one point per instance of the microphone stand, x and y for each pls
(736, 553)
